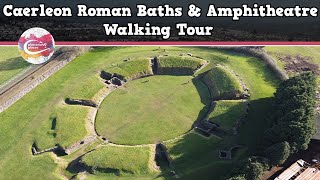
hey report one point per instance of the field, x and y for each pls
(194, 155)
(10, 63)
(152, 105)
(222, 83)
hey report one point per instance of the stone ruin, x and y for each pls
(115, 79)
(70, 101)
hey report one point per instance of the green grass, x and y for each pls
(227, 112)
(89, 87)
(123, 160)
(69, 129)
(151, 109)
(19, 123)
(133, 68)
(179, 65)
(191, 152)
(10, 63)
(222, 83)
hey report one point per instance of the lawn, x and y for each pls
(227, 112)
(152, 109)
(65, 126)
(10, 63)
(222, 83)
(119, 160)
(20, 123)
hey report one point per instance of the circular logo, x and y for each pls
(36, 45)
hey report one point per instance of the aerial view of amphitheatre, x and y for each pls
(162, 112)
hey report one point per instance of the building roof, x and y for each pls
(309, 173)
(291, 171)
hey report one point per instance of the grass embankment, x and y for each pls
(119, 160)
(10, 63)
(152, 109)
(227, 112)
(178, 65)
(222, 84)
(133, 68)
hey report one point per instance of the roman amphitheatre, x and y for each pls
(139, 113)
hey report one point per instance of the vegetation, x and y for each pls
(132, 68)
(10, 63)
(152, 105)
(222, 84)
(294, 118)
(65, 126)
(119, 160)
(178, 65)
(278, 153)
(250, 168)
(192, 151)
(227, 112)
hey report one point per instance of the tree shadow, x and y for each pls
(13, 63)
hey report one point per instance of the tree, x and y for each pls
(293, 120)
(250, 168)
(278, 153)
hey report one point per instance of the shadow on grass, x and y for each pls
(204, 93)
(13, 63)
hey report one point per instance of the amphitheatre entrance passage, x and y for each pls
(152, 109)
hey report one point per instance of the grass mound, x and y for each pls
(119, 160)
(227, 112)
(152, 109)
(133, 69)
(65, 127)
(222, 84)
(178, 65)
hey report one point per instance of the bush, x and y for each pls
(178, 65)
(222, 84)
(251, 168)
(278, 153)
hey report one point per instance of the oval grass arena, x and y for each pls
(152, 109)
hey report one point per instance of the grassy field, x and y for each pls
(119, 160)
(65, 126)
(222, 83)
(133, 68)
(10, 63)
(156, 108)
(20, 123)
(227, 112)
(179, 65)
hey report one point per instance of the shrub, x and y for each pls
(250, 168)
(222, 84)
(278, 153)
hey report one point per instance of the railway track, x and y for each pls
(24, 83)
